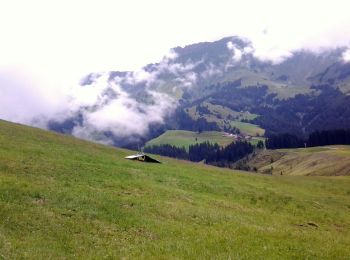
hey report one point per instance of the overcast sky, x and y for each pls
(95, 35)
(45, 45)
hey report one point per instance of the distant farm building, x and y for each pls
(238, 137)
(229, 135)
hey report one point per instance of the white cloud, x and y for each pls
(25, 96)
(274, 54)
(46, 46)
(236, 53)
(211, 70)
(170, 56)
(109, 35)
(140, 76)
(248, 50)
(121, 114)
(90, 94)
(191, 76)
(346, 56)
(166, 65)
(178, 68)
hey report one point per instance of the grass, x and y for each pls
(247, 116)
(282, 89)
(323, 161)
(215, 110)
(61, 198)
(182, 138)
(248, 128)
(220, 115)
(255, 140)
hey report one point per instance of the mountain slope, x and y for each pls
(61, 197)
(305, 92)
(181, 138)
(322, 161)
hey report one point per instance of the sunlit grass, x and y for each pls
(248, 128)
(65, 198)
(182, 138)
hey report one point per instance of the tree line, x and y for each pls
(317, 138)
(209, 153)
(168, 150)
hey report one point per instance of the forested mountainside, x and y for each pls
(212, 85)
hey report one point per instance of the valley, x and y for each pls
(175, 130)
(203, 87)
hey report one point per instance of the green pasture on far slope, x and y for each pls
(248, 128)
(183, 138)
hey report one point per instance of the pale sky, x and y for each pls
(95, 35)
(47, 45)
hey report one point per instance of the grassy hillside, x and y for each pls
(65, 198)
(182, 138)
(221, 115)
(283, 89)
(327, 161)
(218, 112)
(248, 128)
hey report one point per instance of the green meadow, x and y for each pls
(62, 198)
(183, 138)
(248, 128)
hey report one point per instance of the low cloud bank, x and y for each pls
(122, 105)
(116, 112)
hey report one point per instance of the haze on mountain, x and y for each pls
(81, 67)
